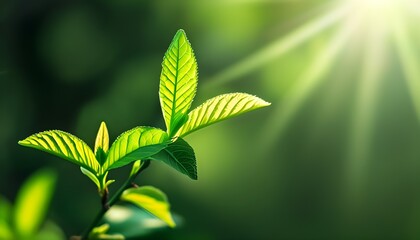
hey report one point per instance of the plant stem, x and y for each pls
(107, 205)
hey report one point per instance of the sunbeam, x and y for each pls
(409, 60)
(279, 47)
(375, 35)
(308, 82)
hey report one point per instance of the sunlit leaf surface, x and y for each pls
(151, 199)
(134, 222)
(178, 82)
(220, 108)
(101, 233)
(64, 145)
(102, 138)
(135, 144)
(32, 202)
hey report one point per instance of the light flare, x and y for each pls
(409, 59)
(364, 108)
(307, 83)
(279, 47)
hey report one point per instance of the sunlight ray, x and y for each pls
(365, 105)
(279, 47)
(308, 82)
(409, 60)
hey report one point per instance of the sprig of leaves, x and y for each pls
(177, 89)
(26, 218)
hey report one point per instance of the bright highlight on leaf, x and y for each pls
(178, 82)
(101, 233)
(152, 200)
(220, 108)
(102, 138)
(179, 155)
(32, 202)
(135, 144)
(63, 145)
(135, 168)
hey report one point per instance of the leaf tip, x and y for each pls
(24, 142)
(102, 138)
(103, 124)
(180, 35)
(171, 224)
(261, 102)
(180, 32)
(265, 103)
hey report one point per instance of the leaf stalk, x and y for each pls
(106, 205)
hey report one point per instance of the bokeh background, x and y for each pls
(336, 155)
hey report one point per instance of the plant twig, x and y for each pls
(107, 205)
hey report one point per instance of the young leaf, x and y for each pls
(102, 138)
(101, 233)
(135, 144)
(101, 144)
(178, 82)
(105, 183)
(32, 202)
(151, 199)
(63, 145)
(180, 156)
(91, 176)
(220, 108)
(135, 168)
(100, 156)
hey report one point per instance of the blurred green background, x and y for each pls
(336, 155)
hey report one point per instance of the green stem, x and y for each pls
(114, 199)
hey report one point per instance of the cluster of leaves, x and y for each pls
(138, 146)
(23, 220)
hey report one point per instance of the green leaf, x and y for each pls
(136, 167)
(50, 231)
(101, 233)
(220, 108)
(135, 222)
(135, 144)
(102, 138)
(101, 143)
(63, 145)
(105, 183)
(91, 176)
(152, 200)
(179, 155)
(32, 202)
(100, 156)
(178, 82)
